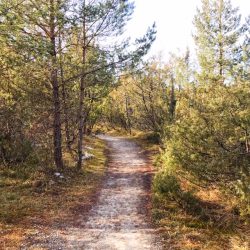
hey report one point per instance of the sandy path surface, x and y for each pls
(119, 219)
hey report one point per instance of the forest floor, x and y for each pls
(204, 219)
(34, 201)
(120, 217)
(110, 205)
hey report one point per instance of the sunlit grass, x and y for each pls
(213, 226)
(37, 196)
(200, 218)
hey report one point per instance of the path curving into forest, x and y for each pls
(119, 220)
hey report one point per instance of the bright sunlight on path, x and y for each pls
(119, 219)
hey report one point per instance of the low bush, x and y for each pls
(166, 185)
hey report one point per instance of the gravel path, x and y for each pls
(119, 219)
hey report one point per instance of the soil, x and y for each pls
(120, 217)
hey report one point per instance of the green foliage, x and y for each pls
(154, 138)
(144, 100)
(201, 116)
(210, 137)
(55, 72)
(217, 38)
(166, 185)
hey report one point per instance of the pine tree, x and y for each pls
(105, 20)
(31, 28)
(217, 38)
(243, 60)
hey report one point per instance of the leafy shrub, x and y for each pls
(15, 150)
(209, 139)
(167, 185)
(153, 138)
(15, 146)
(191, 204)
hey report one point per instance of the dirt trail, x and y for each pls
(119, 218)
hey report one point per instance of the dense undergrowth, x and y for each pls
(193, 217)
(190, 213)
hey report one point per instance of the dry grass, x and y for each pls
(216, 227)
(36, 197)
(204, 218)
(148, 142)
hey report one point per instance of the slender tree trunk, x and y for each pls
(81, 98)
(56, 98)
(172, 100)
(151, 105)
(221, 52)
(81, 123)
(128, 114)
(64, 96)
(247, 142)
(146, 108)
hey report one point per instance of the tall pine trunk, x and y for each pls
(56, 98)
(81, 97)
(64, 96)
